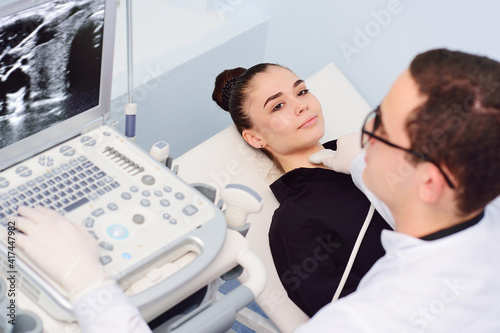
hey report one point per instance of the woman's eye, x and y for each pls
(303, 92)
(278, 106)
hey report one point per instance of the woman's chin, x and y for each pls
(318, 133)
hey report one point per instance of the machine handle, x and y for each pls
(220, 316)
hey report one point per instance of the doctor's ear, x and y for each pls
(432, 184)
(253, 139)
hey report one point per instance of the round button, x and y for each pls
(173, 221)
(146, 193)
(112, 206)
(167, 189)
(158, 193)
(166, 216)
(26, 173)
(3, 182)
(138, 219)
(126, 195)
(21, 169)
(105, 260)
(148, 180)
(134, 189)
(164, 202)
(179, 195)
(85, 139)
(117, 231)
(145, 202)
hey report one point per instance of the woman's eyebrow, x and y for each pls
(280, 93)
(273, 97)
(297, 83)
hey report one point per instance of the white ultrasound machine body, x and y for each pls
(156, 233)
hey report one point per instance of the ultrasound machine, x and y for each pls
(160, 238)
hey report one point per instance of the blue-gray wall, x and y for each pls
(371, 41)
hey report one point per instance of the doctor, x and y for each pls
(432, 159)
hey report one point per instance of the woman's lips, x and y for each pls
(309, 122)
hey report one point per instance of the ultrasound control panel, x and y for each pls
(140, 213)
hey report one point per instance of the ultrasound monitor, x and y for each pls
(55, 72)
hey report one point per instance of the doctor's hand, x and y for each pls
(348, 147)
(63, 250)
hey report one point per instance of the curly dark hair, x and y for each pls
(459, 124)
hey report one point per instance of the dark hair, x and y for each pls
(231, 91)
(459, 124)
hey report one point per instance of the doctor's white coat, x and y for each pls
(451, 284)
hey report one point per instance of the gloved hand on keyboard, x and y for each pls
(63, 250)
(348, 147)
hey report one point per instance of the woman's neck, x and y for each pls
(299, 159)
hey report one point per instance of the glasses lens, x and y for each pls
(370, 125)
(371, 122)
(376, 120)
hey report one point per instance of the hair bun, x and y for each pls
(224, 84)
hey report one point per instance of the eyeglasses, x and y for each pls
(374, 120)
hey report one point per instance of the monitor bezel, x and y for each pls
(60, 132)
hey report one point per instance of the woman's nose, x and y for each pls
(300, 107)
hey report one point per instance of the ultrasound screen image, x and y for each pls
(50, 65)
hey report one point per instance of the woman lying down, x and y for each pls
(321, 212)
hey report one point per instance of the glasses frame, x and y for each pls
(372, 134)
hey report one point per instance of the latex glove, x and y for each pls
(348, 147)
(66, 252)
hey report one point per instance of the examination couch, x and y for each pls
(226, 159)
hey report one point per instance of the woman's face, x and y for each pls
(286, 117)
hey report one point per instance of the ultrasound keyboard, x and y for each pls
(63, 188)
(141, 214)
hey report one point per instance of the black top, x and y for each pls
(313, 232)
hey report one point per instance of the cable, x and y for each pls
(354, 252)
